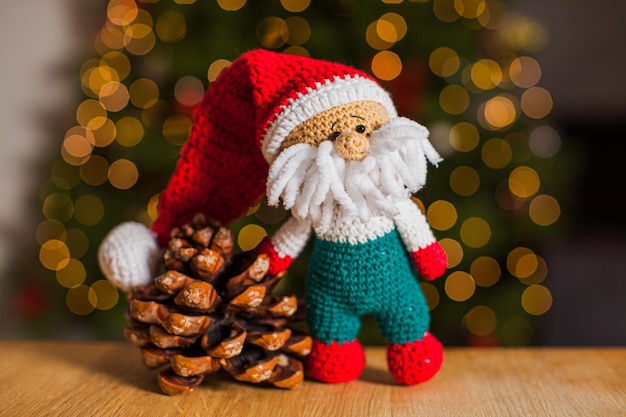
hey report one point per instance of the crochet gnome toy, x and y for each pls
(325, 141)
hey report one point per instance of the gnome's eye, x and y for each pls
(360, 129)
(335, 135)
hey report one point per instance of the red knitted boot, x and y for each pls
(415, 362)
(336, 362)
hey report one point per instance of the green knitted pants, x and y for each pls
(347, 281)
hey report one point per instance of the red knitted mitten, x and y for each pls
(277, 263)
(415, 362)
(336, 362)
(431, 261)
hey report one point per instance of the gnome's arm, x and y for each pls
(428, 255)
(286, 244)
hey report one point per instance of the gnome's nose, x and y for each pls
(352, 145)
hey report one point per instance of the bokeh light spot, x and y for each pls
(129, 131)
(453, 250)
(480, 321)
(475, 232)
(454, 99)
(544, 210)
(88, 210)
(72, 275)
(524, 71)
(272, 32)
(444, 62)
(81, 300)
(441, 215)
(250, 236)
(464, 137)
(486, 271)
(464, 180)
(386, 65)
(171, 26)
(95, 171)
(144, 93)
(536, 102)
(123, 174)
(299, 30)
(486, 74)
(524, 182)
(54, 254)
(544, 141)
(536, 300)
(499, 112)
(496, 153)
(295, 6)
(431, 294)
(58, 206)
(216, 67)
(176, 129)
(106, 295)
(231, 5)
(459, 286)
(188, 91)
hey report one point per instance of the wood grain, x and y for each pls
(48, 378)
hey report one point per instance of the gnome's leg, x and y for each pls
(336, 354)
(413, 354)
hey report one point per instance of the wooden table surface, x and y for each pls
(47, 378)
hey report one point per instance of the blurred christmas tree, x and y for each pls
(464, 68)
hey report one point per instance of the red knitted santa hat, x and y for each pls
(240, 124)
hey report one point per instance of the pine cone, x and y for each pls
(210, 311)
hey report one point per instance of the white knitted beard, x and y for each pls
(318, 185)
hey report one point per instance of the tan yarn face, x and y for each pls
(348, 125)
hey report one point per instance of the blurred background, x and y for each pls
(524, 99)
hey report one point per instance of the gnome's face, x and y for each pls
(349, 161)
(348, 126)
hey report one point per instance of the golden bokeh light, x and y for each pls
(113, 96)
(153, 207)
(78, 148)
(94, 78)
(250, 236)
(88, 209)
(486, 271)
(296, 50)
(139, 39)
(123, 174)
(231, 5)
(524, 71)
(441, 215)
(536, 102)
(445, 11)
(523, 33)
(295, 6)
(524, 182)
(176, 129)
(106, 295)
(188, 90)
(480, 321)
(118, 62)
(454, 99)
(459, 286)
(496, 153)
(105, 134)
(272, 32)
(544, 210)
(521, 260)
(144, 93)
(58, 206)
(122, 12)
(81, 300)
(129, 131)
(54, 254)
(171, 26)
(375, 41)
(50, 229)
(299, 30)
(72, 275)
(475, 232)
(431, 294)
(444, 62)
(464, 137)
(391, 27)
(536, 300)
(64, 175)
(112, 36)
(486, 74)
(386, 65)
(499, 112)
(464, 180)
(91, 114)
(453, 250)
(540, 273)
(95, 171)
(216, 67)
(469, 9)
